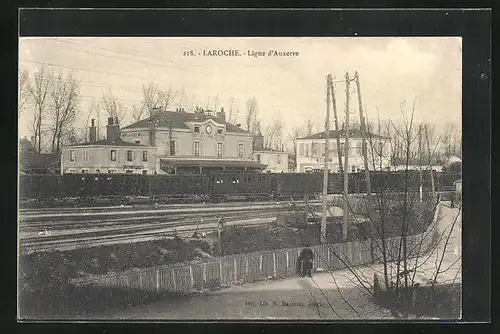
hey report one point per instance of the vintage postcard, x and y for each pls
(190, 178)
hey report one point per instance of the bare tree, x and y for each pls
(452, 140)
(273, 135)
(151, 96)
(112, 106)
(64, 101)
(251, 115)
(295, 134)
(24, 87)
(182, 97)
(403, 237)
(232, 114)
(309, 127)
(167, 97)
(39, 93)
(138, 112)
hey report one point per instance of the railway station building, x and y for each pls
(194, 142)
(311, 152)
(110, 155)
(276, 161)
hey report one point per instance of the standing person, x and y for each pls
(306, 259)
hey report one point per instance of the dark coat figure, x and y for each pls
(305, 262)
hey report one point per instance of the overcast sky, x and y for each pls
(292, 88)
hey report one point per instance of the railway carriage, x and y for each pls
(121, 188)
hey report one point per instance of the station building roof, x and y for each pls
(179, 120)
(107, 142)
(353, 133)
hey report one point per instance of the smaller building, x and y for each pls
(110, 155)
(276, 161)
(36, 163)
(311, 151)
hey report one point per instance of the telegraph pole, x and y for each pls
(420, 160)
(430, 164)
(327, 159)
(364, 146)
(336, 121)
(346, 159)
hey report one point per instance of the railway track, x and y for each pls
(61, 210)
(124, 233)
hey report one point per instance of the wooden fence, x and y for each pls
(252, 267)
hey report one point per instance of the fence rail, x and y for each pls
(256, 266)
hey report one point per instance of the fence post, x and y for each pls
(220, 271)
(191, 276)
(274, 265)
(235, 269)
(157, 280)
(328, 257)
(260, 264)
(205, 272)
(173, 278)
(246, 269)
(287, 261)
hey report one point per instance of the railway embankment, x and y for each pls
(47, 276)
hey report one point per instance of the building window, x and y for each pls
(279, 158)
(240, 150)
(71, 171)
(85, 155)
(144, 156)
(342, 148)
(144, 172)
(353, 168)
(72, 155)
(219, 131)
(301, 149)
(97, 171)
(129, 171)
(196, 148)
(129, 155)
(84, 171)
(111, 171)
(196, 129)
(314, 149)
(137, 141)
(113, 155)
(172, 147)
(219, 149)
(258, 157)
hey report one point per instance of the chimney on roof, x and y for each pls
(113, 129)
(258, 141)
(222, 115)
(92, 132)
(151, 132)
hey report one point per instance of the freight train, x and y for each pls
(219, 187)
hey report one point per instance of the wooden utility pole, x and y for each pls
(420, 161)
(336, 121)
(220, 231)
(98, 112)
(169, 118)
(364, 146)
(430, 164)
(327, 158)
(346, 159)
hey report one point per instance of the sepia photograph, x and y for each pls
(240, 178)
